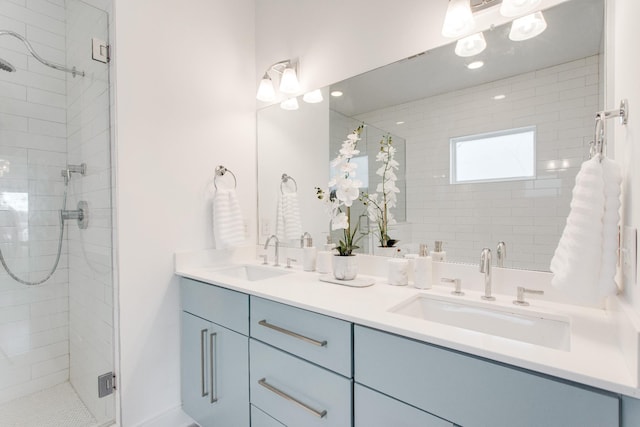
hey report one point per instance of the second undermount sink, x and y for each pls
(252, 273)
(548, 330)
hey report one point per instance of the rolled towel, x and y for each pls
(228, 223)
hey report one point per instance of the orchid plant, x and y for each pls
(384, 199)
(344, 189)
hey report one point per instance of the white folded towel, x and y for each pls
(584, 262)
(288, 222)
(228, 223)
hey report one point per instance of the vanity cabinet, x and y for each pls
(469, 391)
(215, 355)
(300, 366)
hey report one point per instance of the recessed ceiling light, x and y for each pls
(475, 65)
(336, 93)
(400, 123)
(499, 97)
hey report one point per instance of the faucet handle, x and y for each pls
(264, 259)
(457, 283)
(289, 261)
(520, 296)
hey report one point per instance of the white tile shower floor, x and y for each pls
(58, 406)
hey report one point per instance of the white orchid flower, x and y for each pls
(340, 222)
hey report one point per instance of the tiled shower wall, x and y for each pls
(34, 347)
(90, 250)
(528, 215)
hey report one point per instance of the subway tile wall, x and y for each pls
(34, 325)
(528, 215)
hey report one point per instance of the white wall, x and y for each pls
(624, 35)
(184, 76)
(34, 346)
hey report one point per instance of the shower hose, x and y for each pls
(55, 264)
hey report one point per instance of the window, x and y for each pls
(495, 156)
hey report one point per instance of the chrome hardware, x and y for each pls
(285, 179)
(66, 173)
(289, 261)
(276, 263)
(501, 252)
(81, 215)
(203, 351)
(264, 259)
(106, 384)
(520, 296)
(305, 240)
(212, 366)
(320, 414)
(292, 334)
(457, 283)
(100, 50)
(485, 267)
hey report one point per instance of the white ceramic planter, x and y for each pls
(345, 267)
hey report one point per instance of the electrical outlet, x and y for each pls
(266, 227)
(629, 254)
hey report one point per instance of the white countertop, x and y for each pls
(596, 356)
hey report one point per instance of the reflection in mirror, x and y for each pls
(551, 83)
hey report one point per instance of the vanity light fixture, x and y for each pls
(400, 123)
(527, 27)
(290, 104)
(289, 83)
(336, 93)
(471, 45)
(458, 19)
(313, 97)
(475, 65)
(513, 8)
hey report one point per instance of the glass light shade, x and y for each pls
(471, 45)
(289, 81)
(459, 19)
(313, 97)
(527, 27)
(511, 8)
(266, 91)
(290, 104)
(475, 65)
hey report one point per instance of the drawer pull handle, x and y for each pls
(292, 334)
(213, 345)
(320, 414)
(203, 381)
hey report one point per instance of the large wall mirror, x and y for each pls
(442, 114)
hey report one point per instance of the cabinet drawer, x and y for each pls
(320, 339)
(222, 306)
(260, 419)
(296, 392)
(373, 409)
(472, 392)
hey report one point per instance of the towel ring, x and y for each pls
(285, 179)
(220, 171)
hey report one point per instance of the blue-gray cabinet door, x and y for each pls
(215, 373)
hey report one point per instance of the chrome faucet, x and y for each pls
(277, 245)
(501, 251)
(485, 267)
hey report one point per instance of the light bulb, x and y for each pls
(313, 97)
(289, 81)
(290, 104)
(459, 19)
(471, 45)
(511, 8)
(527, 27)
(475, 65)
(266, 91)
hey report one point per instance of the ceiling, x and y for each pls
(575, 30)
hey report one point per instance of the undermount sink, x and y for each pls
(252, 273)
(548, 330)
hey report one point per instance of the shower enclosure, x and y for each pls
(56, 284)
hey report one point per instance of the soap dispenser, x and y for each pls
(439, 254)
(308, 253)
(423, 269)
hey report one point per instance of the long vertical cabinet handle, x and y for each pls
(203, 351)
(213, 345)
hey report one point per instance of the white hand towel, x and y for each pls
(228, 223)
(288, 222)
(584, 262)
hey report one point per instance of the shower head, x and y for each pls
(6, 66)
